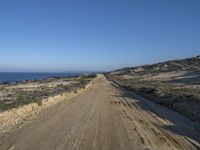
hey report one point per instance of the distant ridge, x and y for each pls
(187, 64)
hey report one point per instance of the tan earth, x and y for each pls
(104, 117)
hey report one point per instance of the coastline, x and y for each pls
(15, 117)
(19, 77)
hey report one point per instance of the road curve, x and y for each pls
(105, 117)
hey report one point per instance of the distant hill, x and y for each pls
(188, 64)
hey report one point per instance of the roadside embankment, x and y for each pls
(168, 89)
(15, 115)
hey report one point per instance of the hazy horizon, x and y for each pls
(89, 71)
(69, 36)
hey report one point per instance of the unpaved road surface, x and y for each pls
(104, 117)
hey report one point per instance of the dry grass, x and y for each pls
(22, 93)
(173, 92)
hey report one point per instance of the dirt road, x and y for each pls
(104, 117)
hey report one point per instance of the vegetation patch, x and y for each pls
(22, 93)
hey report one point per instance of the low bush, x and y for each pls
(39, 102)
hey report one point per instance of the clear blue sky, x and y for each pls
(76, 35)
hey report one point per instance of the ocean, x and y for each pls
(15, 77)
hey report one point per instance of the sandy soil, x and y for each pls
(104, 117)
(15, 117)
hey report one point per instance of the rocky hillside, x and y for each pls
(189, 64)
